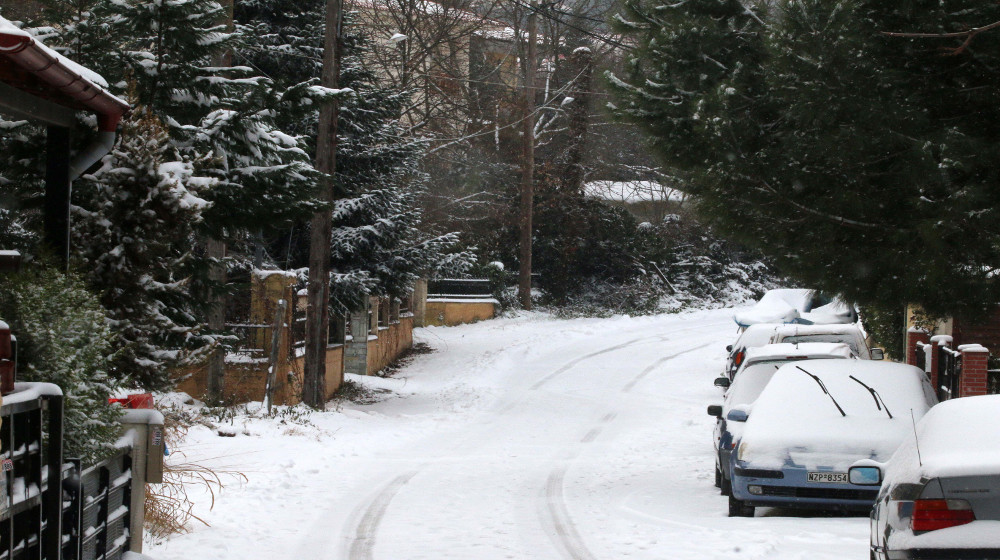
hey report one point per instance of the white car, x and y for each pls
(753, 336)
(940, 497)
(848, 334)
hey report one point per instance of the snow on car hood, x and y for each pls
(794, 422)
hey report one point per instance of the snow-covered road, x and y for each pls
(530, 438)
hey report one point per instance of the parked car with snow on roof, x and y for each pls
(751, 378)
(940, 497)
(815, 420)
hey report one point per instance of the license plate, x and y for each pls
(828, 477)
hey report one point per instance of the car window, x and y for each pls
(750, 382)
(847, 339)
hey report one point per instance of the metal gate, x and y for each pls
(949, 372)
(93, 501)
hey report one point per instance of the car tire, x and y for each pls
(739, 509)
(718, 478)
(726, 487)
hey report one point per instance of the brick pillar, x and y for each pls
(973, 378)
(913, 336)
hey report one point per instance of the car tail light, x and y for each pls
(738, 358)
(931, 515)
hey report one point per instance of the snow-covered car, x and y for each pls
(797, 306)
(750, 379)
(940, 497)
(813, 422)
(752, 337)
(849, 334)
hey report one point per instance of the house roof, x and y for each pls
(29, 66)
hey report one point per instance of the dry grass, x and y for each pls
(169, 507)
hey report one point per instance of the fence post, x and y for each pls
(913, 337)
(146, 429)
(938, 341)
(972, 382)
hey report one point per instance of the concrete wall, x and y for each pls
(450, 312)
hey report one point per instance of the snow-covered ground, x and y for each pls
(523, 438)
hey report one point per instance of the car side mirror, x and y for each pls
(865, 476)
(737, 415)
(715, 410)
(729, 348)
(878, 354)
(722, 382)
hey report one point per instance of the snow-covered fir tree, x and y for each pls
(133, 234)
(65, 339)
(376, 245)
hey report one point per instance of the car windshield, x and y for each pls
(751, 381)
(845, 338)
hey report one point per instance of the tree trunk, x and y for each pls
(573, 173)
(528, 162)
(318, 302)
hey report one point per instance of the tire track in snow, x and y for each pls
(555, 513)
(366, 532)
(631, 384)
(575, 361)
(569, 365)
(556, 517)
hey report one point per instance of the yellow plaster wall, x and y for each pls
(391, 342)
(451, 313)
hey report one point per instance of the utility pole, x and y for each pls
(318, 289)
(528, 159)
(215, 249)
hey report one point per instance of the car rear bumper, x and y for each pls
(945, 554)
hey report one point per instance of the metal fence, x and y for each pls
(949, 372)
(459, 288)
(93, 501)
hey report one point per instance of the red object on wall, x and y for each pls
(135, 400)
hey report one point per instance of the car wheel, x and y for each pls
(718, 478)
(726, 488)
(738, 509)
(871, 555)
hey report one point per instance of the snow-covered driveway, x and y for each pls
(517, 438)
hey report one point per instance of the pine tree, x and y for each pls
(134, 232)
(859, 162)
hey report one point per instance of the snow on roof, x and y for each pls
(795, 305)
(795, 421)
(632, 191)
(756, 335)
(799, 329)
(959, 437)
(805, 350)
(7, 27)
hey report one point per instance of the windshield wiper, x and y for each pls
(823, 386)
(879, 401)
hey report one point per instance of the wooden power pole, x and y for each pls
(528, 160)
(215, 249)
(318, 289)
